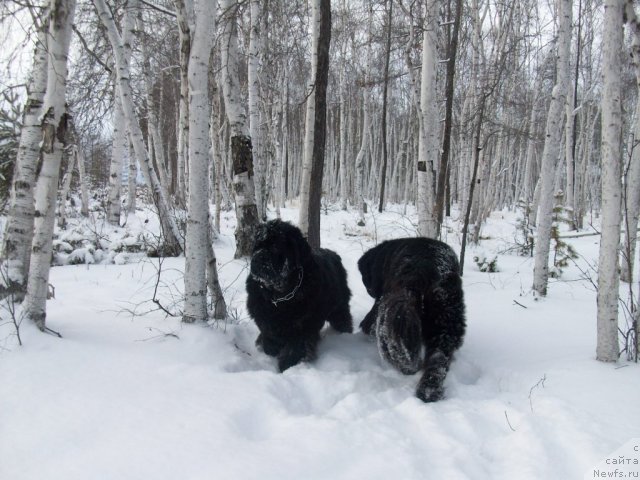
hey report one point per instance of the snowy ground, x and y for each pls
(125, 396)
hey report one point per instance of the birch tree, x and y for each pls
(256, 45)
(54, 130)
(552, 147)
(319, 120)
(241, 148)
(607, 349)
(184, 12)
(120, 134)
(632, 175)
(16, 248)
(309, 131)
(197, 238)
(429, 140)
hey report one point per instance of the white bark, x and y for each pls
(132, 182)
(183, 14)
(120, 134)
(241, 149)
(119, 146)
(54, 129)
(344, 192)
(16, 248)
(66, 186)
(256, 47)
(429, 146)
(84, 182)
(632, 177)
(305, 183)
(360, 158)
(552, 148)
(197, 238)
(170, 230)
(607, 349)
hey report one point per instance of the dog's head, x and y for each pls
(279, 255)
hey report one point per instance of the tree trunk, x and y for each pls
(256, 47)
(16, 248)
(443, 171)
(132, 182)
(120, 134)
(66, 186)
(607, 349)
(320, 123)
(183, 11)
(197, 241)
(309, 130)
(551, 152)
(632, 175)
(383, 176)
(54, 130)
(429, 145)
(241, 148)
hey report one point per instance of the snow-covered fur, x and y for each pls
(418, 316)
(292, 291)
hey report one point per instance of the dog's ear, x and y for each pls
(262, 232)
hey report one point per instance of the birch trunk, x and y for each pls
(54, 129)
(183, 9)
(343, 144)
(66, 186)
(632, 176)
(83, 180)
(170, 230)
(197, 243)
(16, 248)
(383, 173)
(552, 148)
(132, 182)
(429, 146)
(305, 182)
(241, 148)
(256, 46)
(120, 134)
(360, 158)
(319, 123)
(607, 349)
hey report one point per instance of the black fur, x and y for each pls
(418, 316)
(292, 291)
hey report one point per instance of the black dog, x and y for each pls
(418, 302)
(292, 291)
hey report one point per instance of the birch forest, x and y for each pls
(203, 108)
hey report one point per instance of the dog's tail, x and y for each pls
(399, 331)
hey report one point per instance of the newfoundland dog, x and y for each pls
(418, 316)
(292, 291)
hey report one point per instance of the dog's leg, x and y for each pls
(445, 307)
(298, 350)
(399, 334)
(431, 385)
(340, 319)
(367, 325)
(268, 345)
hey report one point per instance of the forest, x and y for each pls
(147, 140)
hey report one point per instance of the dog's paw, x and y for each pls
(430, 394)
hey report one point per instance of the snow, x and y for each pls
(124, 396)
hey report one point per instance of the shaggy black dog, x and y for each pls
(292, 291)
(418, 303)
